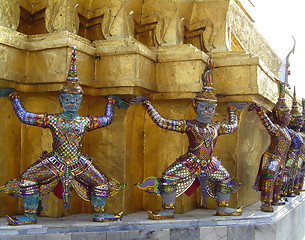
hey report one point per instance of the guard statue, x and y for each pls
(271, 168)
(65, 165)
(198, 164)
(292, 167)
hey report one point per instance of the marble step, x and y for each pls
(287, 222)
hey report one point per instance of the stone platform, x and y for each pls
(287, 222)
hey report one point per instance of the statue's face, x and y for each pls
(286, 117)
(71, 101)
(205, 111)
(297, 123)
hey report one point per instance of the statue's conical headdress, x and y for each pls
(280, 106)
(303, 108)
(295, 109)
(72, 85)
(207, 93)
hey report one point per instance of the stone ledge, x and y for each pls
(285, 223)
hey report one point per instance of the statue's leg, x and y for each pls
(277, 199)
(30, 196)
(168, 193)
(203, 190)
(301, 182)
(100, 190)
(284, 187)
(222, 206)
(296, 184)
(224, 186)
(35, 175)
(172, 179)
(266, 186)
(290, 187)
(271, 175)
(98, 202)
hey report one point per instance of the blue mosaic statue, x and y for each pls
(293, 166)
(65, 164)
(271, 169)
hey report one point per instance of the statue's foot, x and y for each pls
(203, 206)
(278, 202)
(160, 215)
(290, 195)
(229, 212)
(21, 220)
(267, 208)
(105, 217)
(296, 192)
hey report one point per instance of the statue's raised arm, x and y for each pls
(165, 123)
(231, 126)
(106, 119)
(34, 119)
(268, 124)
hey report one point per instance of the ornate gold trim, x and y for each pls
(99, 209)
(222, 204)
(266, 199)
(171, 206)
(30, 211)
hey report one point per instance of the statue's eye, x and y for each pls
(76, 100)
(67, 99)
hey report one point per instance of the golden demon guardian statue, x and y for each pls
(66, 165)
(292, 167)
(271, 169)
(197, 165)
(298, 186)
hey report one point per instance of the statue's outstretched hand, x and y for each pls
(120, 103)
(238, 105)
(5, 92)
(137, 99)
(255, 107)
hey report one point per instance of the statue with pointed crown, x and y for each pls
(270, 173)
(65, 167)
(198, 166)
(272, 165)
(292, 166)
(300, 170)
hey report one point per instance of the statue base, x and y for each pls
(287, 222)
